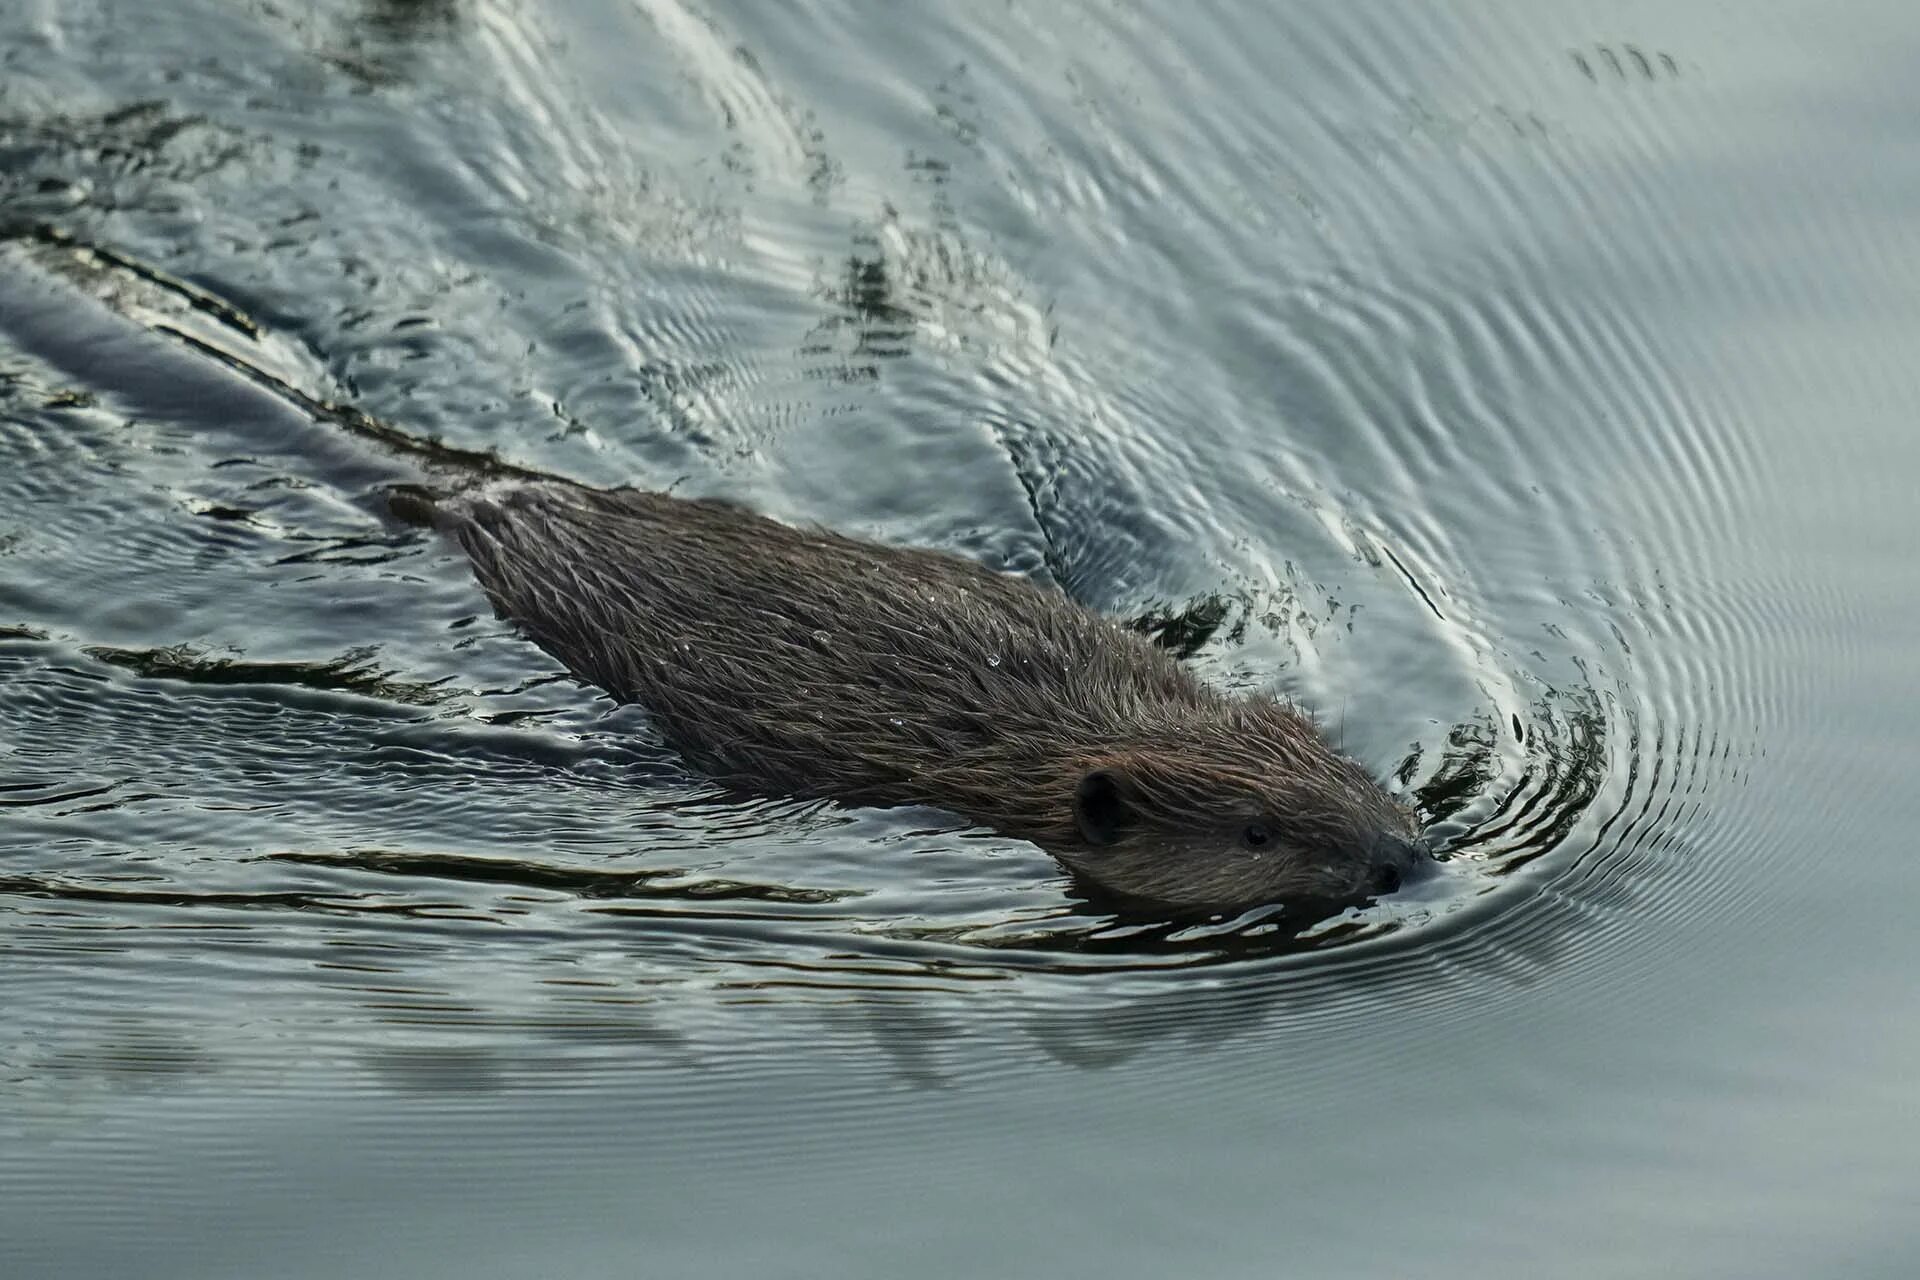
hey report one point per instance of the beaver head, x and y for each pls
(1247, 806)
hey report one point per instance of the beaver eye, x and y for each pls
(1255, 835)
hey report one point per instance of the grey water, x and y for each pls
(1528, 389)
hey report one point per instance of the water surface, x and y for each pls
(1525, 389)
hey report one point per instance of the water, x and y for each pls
(1527, 389)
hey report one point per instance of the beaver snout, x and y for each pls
(1397, 860)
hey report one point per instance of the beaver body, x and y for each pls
(802, 662)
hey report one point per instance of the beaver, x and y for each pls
(800, 661)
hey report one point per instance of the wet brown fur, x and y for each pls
(803, 662)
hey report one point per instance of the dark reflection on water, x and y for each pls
(1528, 394)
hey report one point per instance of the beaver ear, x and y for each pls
(1100, 807)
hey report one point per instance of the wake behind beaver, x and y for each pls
(802, 662)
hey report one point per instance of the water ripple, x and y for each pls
(1344, 390)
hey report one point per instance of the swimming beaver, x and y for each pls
(806, 663)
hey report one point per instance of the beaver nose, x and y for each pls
(1397, 859)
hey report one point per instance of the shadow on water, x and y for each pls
(352, 672)
(411, 19)
(869, 323)
(652, 883)
(378, 45)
